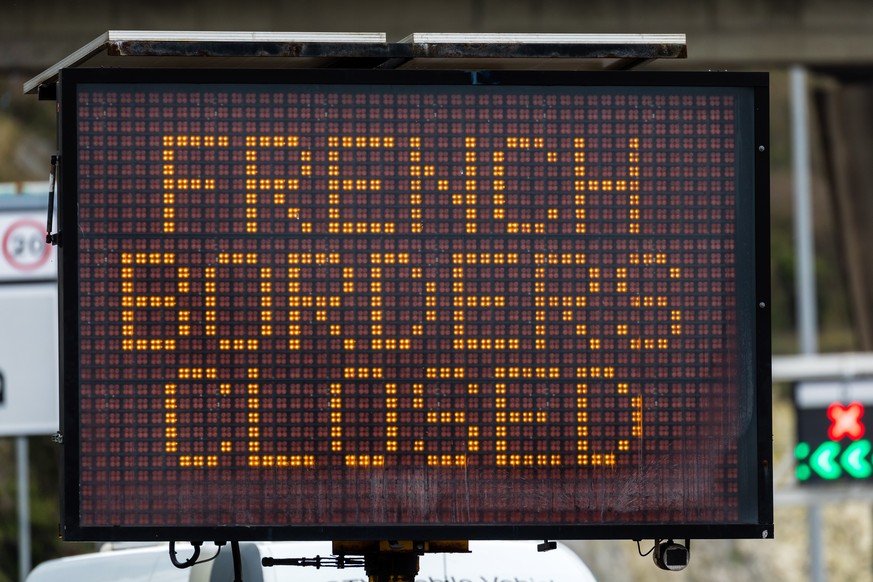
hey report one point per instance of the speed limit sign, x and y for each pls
(28, 322)
(24, 254)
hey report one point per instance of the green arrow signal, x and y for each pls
(823, 461)
(801, 452)
(854, 461)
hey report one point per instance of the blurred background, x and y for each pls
(819, 54)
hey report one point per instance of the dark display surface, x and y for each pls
(332, 307)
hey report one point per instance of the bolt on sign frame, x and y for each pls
(414, 304)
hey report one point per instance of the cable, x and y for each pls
(212, 558)
(640, 550)
(190, 561)
(237, 562)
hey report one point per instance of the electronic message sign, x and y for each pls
(832, 440)
(414, 305)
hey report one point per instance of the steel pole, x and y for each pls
(21, 455)
(804, 253)
(807, 318)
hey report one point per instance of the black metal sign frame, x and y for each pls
(121, 418)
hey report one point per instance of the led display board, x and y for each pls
(414, 305)
(833, 444)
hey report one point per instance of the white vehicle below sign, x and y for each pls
(488, 561)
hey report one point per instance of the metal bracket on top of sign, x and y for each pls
(235, 49)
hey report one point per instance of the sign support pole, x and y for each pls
(807, 318)
(804, 255)
(21, 457)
